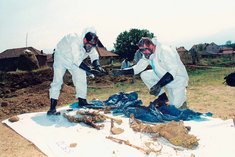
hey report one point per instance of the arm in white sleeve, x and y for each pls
(140, 66)
(171, 62)
(93, 55)
(76, 52)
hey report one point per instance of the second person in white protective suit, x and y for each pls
(70, 53)
(167, 71)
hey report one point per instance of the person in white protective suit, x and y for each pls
(70, 53)
(167, 71)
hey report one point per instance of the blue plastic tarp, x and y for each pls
(128, 103)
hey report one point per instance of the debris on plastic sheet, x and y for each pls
(89, 120)
(114, 130)
(175, 132)
(72, 145)
(147, 150)
(14, 119)
(99, 115)
(93, 115)
(192, 155)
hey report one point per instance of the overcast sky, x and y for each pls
(174, 22)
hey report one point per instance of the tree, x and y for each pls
(200, 47)
(126, 42)
(228, 43)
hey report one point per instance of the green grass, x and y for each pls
(203, 77)
(209, 76)
(104, 93)
(205, 93)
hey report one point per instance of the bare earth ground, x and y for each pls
(218, 99)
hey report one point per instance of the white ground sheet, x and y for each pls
(53, 135)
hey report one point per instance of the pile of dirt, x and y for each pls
(24, 92)
(32, 99)
(12, 81)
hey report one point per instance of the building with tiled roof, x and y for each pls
(106, 57)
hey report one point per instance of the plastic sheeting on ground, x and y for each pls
(57, 137)
(128, 103)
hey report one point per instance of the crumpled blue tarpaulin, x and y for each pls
(128, 103)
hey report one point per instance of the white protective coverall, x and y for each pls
(69, 54)
(163, 60)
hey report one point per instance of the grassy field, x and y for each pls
(205, 93)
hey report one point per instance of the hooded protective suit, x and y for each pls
(69, 54)
(164, 60)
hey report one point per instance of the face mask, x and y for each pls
(88, 47)
(146, 52)
(90, 41)
(93, 40)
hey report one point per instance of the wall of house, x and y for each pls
(12, 64)
(9, 64)
(212, 48)
(42, 60)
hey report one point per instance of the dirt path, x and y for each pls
(13, 145)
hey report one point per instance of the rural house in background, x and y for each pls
(106, 57)
(26, 58)
(206, 49)
(185, 56)
(50, 60)
(212, 50)
(226, 50)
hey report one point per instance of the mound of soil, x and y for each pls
(24, 92)
(31, 99)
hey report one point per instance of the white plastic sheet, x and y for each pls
(55, 136)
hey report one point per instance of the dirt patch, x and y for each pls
(25, 92)
(32, 99)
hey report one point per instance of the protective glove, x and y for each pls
(101, 70)
(97, 67)
(118, 72)
(90, 72)
(155, 90)
(90, 75)
(96, 72)
(167, 78)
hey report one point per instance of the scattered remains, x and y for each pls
(85, 119)
(14, 119)
(175, 132)
(114, 130)
(72, 145)
(93, 113)
(90, 118)
(145, 150)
